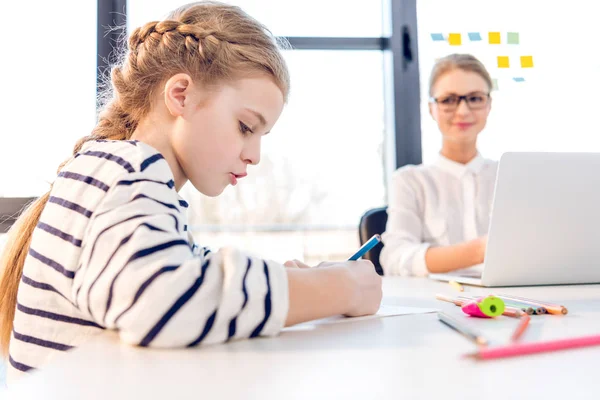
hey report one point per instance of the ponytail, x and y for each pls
(113, 124)
(11, 265)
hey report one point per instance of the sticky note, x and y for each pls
(526, 61)
(494, 37)
(437, 37)
(519, 79)
(474, 36)
(512, 38)
(494, 84)
(454, 39)
(503, 62)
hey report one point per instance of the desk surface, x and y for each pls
(408, 357)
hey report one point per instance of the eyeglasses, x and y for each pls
(475, 101)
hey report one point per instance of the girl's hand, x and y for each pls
(295, 264)
(367, 292)
(365, 284)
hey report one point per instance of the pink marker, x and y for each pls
(484, 307)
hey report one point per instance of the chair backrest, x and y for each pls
(10, 209)
(372, 222)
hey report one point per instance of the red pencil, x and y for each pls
(521, 327)
(489, 353)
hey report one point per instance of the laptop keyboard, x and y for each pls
(470, 274)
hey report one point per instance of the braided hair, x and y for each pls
(210, 41)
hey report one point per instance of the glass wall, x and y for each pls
(48, 80)
(543, 60)
(322, 165)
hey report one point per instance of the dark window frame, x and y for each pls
(402, 73)
(402, 78)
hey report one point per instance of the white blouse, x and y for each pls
(442, 204)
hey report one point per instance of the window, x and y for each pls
(333, 18)
(322, 166)
(544, 102)
(49, 81)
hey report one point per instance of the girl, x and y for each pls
(107, 247)
(438, 215)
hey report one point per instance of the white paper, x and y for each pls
(384, 311)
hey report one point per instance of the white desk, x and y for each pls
(405, 357)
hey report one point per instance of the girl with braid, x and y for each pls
(107, 247)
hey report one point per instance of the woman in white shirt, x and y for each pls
(438, 214)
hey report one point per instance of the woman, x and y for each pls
(438, 214)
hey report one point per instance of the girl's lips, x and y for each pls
(232, 179)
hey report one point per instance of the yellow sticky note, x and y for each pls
(526, 61)
(454, 39)
(494, 37)
(503, 62)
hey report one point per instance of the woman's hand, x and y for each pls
(479, 247)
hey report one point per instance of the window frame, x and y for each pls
(401, 71)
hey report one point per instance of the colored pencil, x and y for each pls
(369, 244)
(527, 309)
(521, 327)
(551, 308)
(462, 329)
(521, 349)
(538, 309)
(457, 286)
(508, 311)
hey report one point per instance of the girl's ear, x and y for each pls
(177, 93)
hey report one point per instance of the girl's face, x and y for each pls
(219, 132)
(460, 121)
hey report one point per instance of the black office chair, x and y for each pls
(372, 222)
(10, 209)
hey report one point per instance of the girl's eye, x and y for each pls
(245, 129)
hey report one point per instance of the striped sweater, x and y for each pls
(112, 251)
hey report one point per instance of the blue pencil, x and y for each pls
(375, 239)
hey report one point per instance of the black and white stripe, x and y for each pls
(112, 251)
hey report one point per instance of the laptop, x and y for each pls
(545, 223)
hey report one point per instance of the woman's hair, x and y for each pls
(465, 62)
(213, 42)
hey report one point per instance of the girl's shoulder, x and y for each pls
(113, 160)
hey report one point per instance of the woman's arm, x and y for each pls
(449, 258)
(403, 252)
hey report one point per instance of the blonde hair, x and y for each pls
(212, 42)
(465, 62)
